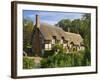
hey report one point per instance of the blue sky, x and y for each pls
(50, 17)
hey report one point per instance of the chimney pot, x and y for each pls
(37, 21)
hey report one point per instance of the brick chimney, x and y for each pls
(37, 21)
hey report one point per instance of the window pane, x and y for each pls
(46, 46)
(49, 46)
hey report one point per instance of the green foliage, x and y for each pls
(28, 63)
(87, 58)
(64, 24)
(61, 59)
(78, 58)
(58, 48)
(75, 27)
(48, 53)
(27, 33)
(27, 46)
(27, 29)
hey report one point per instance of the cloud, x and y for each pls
(51, 17)
(50, 22)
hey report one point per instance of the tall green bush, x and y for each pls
(28, 63)
(65, 60)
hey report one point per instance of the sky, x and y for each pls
(51, 17)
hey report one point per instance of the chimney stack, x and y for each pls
(37, 21)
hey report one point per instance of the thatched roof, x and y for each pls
(48, 31)
(75, 38)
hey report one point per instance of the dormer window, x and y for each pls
(54, 37)
(71, 44)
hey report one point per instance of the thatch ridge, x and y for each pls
(48, 31)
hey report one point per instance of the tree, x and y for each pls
(64, 24)
(87, 38)
(86, 29)
(75, 26)
(27, 33)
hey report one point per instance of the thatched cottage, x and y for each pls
(45, 36)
